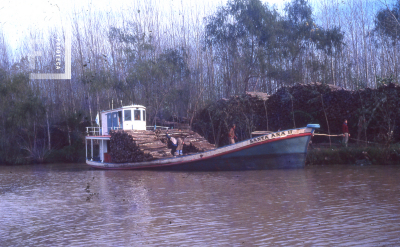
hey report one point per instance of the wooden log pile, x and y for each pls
(193, 141)
(124, 149)
(247, 112)
(143, 145)
(150, 142)
(299, 105)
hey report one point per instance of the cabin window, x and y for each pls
(144, 115)
(128, 115)
(136, 114)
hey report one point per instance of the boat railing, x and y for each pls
(93, 131)
(156, 127)
(259, 133)
(114, 128)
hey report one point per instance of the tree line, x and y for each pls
(177, 63)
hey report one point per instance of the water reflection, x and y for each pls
(74, 205)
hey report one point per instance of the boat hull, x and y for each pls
(279, 150)
(243, 160)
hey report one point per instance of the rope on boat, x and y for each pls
(349, 138)
(326, 135)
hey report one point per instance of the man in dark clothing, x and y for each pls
(345, 130)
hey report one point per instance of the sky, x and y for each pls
(19, 17)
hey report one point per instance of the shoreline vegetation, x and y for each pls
(242, 63)
(354, 155)
(379, 133)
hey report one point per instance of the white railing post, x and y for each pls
(91, 150)
(86, 147)
(102, 152)
(93, 131)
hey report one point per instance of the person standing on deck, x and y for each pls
(231, 134)
(180, 144)
(345, 130)
(174, 143)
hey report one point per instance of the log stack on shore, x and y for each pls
(372, 114)
(144, 145)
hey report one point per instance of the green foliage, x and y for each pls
(387, 22)
(385, 81)
(251, 39)
(133, 42)
(68, 153)
(383, 110)
(23, 127)
(160, 81)
(354, 155)
(164, 82)
(22, 112)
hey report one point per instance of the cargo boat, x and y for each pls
(267, 150)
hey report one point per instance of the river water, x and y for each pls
(71, 204)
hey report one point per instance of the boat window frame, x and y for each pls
(144, 115)
(134, 114)
(130, 115)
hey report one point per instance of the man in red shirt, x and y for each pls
(345, 130)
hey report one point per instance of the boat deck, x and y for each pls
(283, 146)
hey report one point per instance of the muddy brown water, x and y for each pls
(71, 204)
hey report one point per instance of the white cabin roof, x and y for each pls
(126, 107)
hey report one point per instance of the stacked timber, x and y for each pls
(143, 145)
(259, 95)
(124, 149)
(193, 141)
(150, 142)
(369, 112)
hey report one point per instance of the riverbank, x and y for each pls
(317, 154)
(354, 155)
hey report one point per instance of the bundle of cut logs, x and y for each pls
(143, 145)
(124, 149)
(368, 111)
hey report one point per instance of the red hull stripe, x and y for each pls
(205, 158)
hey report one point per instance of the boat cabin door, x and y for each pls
(114, 120)
(120, 120)
(109, 122)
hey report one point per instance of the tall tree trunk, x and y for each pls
(326, 118)
(48, 131)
